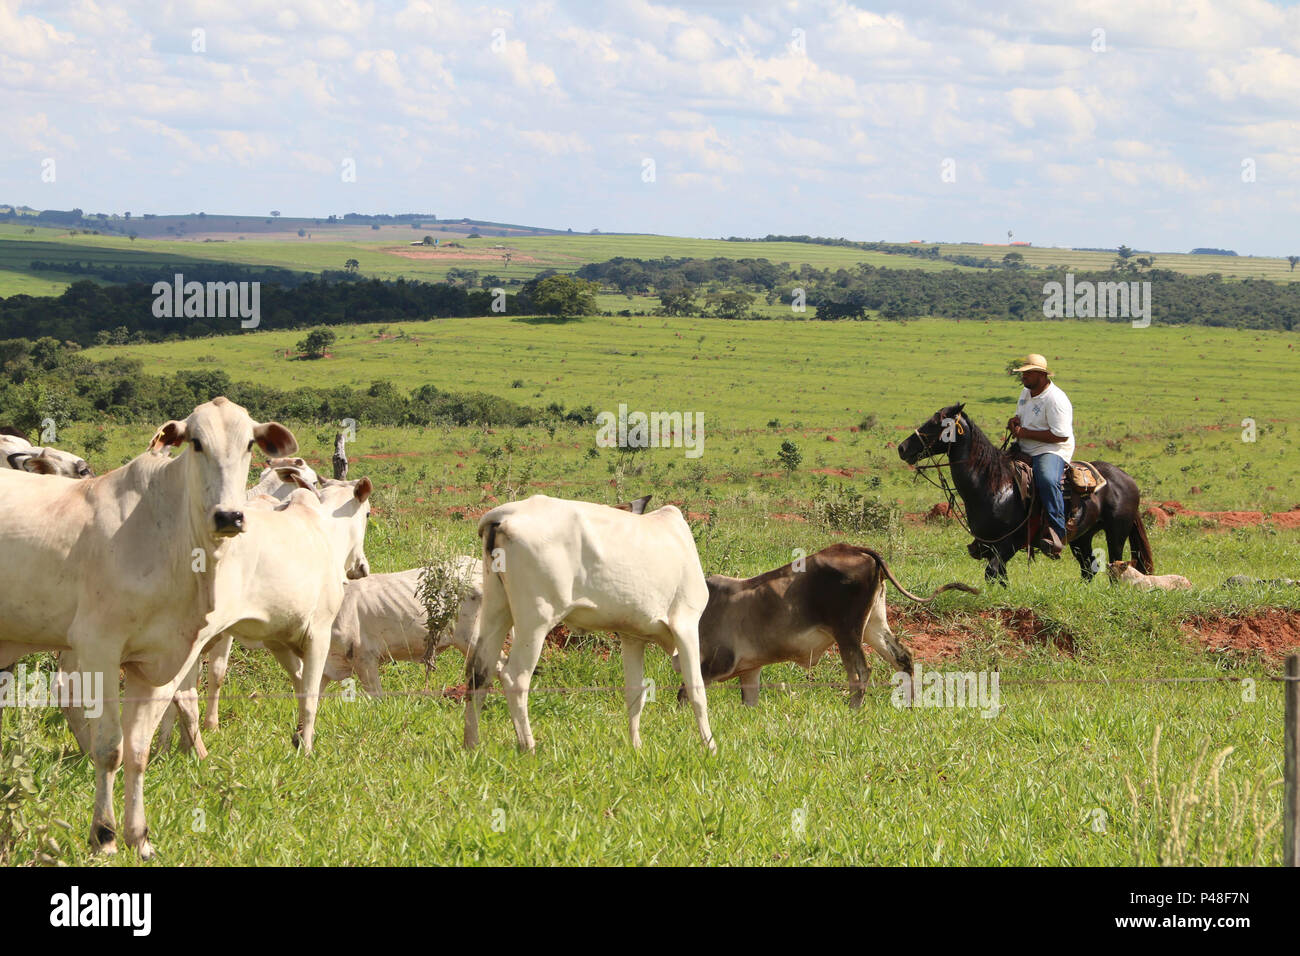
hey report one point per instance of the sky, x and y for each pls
(1164, 125)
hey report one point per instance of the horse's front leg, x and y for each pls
(1082, 548)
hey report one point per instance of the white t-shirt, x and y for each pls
(1049, 410)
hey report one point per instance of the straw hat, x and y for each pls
(1033, 363)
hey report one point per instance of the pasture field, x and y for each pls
(389, 254)
(801, 778)
(1273, 268)
(1165, 403)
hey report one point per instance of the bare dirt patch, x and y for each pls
(456, 255)
(1271, 634)
(932, 638)
(1161, 514)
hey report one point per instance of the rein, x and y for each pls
(938, 463)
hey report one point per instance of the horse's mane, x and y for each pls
(986, 459)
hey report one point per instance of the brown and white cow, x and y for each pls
(796, 612)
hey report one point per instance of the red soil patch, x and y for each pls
(930, 639)
(1162, 513)
(1271, 634)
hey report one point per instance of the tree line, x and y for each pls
(48, 379)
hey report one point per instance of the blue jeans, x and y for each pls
(1048, 470)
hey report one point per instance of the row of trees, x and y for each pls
(45, 378)
(91, 314)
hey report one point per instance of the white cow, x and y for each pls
(299, 554)
(281, 476)
(136, 570)
(593, 567)
(383, 618)
(21, 455)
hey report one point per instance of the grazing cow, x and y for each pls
(549, 561)
(21, 455)
(795, 613)
(299, 554)
(383, 618)
(1124, 571)
(135, 570)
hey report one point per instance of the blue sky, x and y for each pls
(1164, 125)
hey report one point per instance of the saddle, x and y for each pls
(1080, 482)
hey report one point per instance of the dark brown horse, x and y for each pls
(983, 476)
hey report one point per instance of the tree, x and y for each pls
(352, 265)
(731, 305)
(316, 342)
(679, 300)
(1293, 260)
(275, 213)
(564, 295)
(1013, 260)
(428, 240)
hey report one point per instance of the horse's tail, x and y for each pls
(1140, 547)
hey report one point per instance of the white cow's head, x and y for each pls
(221, 436)
(348, 504)
(51, 461)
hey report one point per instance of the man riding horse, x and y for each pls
(1043, 427)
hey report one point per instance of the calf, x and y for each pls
(796, 612)
(549, 561)
(1124, 571)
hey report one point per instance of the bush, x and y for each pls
(789, 456)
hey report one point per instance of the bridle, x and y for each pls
(938, 463)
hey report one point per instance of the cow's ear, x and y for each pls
(39, 465)
(363, 489)
(173, 433)
(292, 476)
(274, 439)
(18, 460)
(638, 506)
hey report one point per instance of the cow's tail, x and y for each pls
(1141, 547)
(489, 534)
(951, 586)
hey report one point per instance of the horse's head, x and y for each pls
(936, 435)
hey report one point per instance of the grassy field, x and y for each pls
(801, 778)
(1276, 269)
(1171, 398)
(389, 255)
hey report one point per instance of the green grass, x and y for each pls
(1168, 400)
(388, 782)
(387, 255)
(1273, 268)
